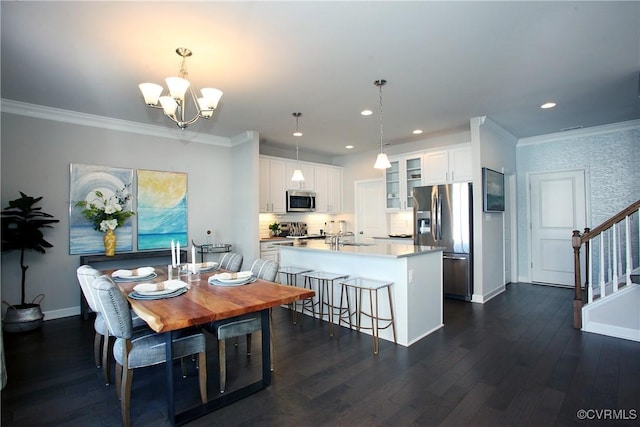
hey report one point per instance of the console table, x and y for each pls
(124, 260)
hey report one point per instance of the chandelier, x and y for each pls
(174, 104)
(297, 174)
(382, 161)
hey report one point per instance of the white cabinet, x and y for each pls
(445, 166)
(404, 174)
(272, 185)
(328, 182)
(308, 171)
(269, 251)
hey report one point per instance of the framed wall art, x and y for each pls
(162, 209)
(84, 181)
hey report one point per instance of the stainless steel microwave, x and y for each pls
(301, 201)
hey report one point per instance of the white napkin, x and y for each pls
(205, 265)
(231, 276)
(141, 272)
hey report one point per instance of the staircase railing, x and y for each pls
(611, 251)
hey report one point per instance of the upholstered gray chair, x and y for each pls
(242, 325)
(136, 350)
(86, 275)
(230, 261)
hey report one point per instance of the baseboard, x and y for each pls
(481, 299)
(613, 331)
(59, 314)
(416, 339)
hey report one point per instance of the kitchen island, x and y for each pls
(416, 273)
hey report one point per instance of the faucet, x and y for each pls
(335, 241)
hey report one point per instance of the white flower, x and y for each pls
(117, 207)
(108, 224)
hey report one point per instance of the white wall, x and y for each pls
(36, 154)
(494, 148)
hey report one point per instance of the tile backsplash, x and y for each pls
(315, 221)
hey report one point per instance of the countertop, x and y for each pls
(398, 237)
(383, 249)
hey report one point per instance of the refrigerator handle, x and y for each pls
(434, 219)
(439, 217)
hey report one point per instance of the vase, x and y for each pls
(109, 243)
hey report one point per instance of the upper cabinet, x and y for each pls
(404, 174)
(308, 172)
(328, 181)
(446, 166)
(275, 180)
(272, 185)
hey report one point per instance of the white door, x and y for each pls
(557, 207)
(370, 209)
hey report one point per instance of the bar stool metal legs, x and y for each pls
(291, 274)
(371, 287)
(326, 304)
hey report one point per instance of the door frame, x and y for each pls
(587, 203)
(355, 202)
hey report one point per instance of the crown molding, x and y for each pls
(579, 133)
(83, 119)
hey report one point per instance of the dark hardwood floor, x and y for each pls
(513, 361)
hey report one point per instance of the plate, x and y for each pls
(136, 295)
(152, 288)
(135, 278)
(226, 277)
(201, 267)
(234, 282)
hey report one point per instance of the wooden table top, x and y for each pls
(203, 303)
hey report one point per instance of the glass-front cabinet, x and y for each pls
(404, 174)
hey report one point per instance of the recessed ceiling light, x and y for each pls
(417, 131)
(348, 147)
(366, 112)
(548, 105)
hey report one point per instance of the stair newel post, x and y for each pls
(587, 264)
(576, 241)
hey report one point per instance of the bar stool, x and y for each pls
(291, 273)
(324, 281)
(358, 285)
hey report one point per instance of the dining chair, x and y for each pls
(245, 324)
(137, 349)
(86, 275)
(230, 261)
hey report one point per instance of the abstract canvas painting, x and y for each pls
(162, 209)
(84, 181)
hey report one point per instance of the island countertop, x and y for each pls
(381, 249)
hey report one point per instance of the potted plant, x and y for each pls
(22, 224)
(275, 229)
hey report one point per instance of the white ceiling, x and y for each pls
(445, 62)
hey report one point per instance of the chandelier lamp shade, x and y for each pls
(382, 161)
(297, 173)
(174, 104)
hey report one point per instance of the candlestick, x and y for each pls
(173, 253)
(178, 252)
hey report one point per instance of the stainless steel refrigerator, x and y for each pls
(442, 216)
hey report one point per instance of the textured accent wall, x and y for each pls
(612, 165)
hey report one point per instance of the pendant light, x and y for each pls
(297, 174)
(382, 161)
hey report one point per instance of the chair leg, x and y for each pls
(118, 380)
(105, 359)
(183, 365)
(97, 346)
(125, 402)
(202, 368)
(222, 363)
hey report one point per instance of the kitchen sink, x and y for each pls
(357, 244)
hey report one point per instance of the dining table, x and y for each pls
(203, 303)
